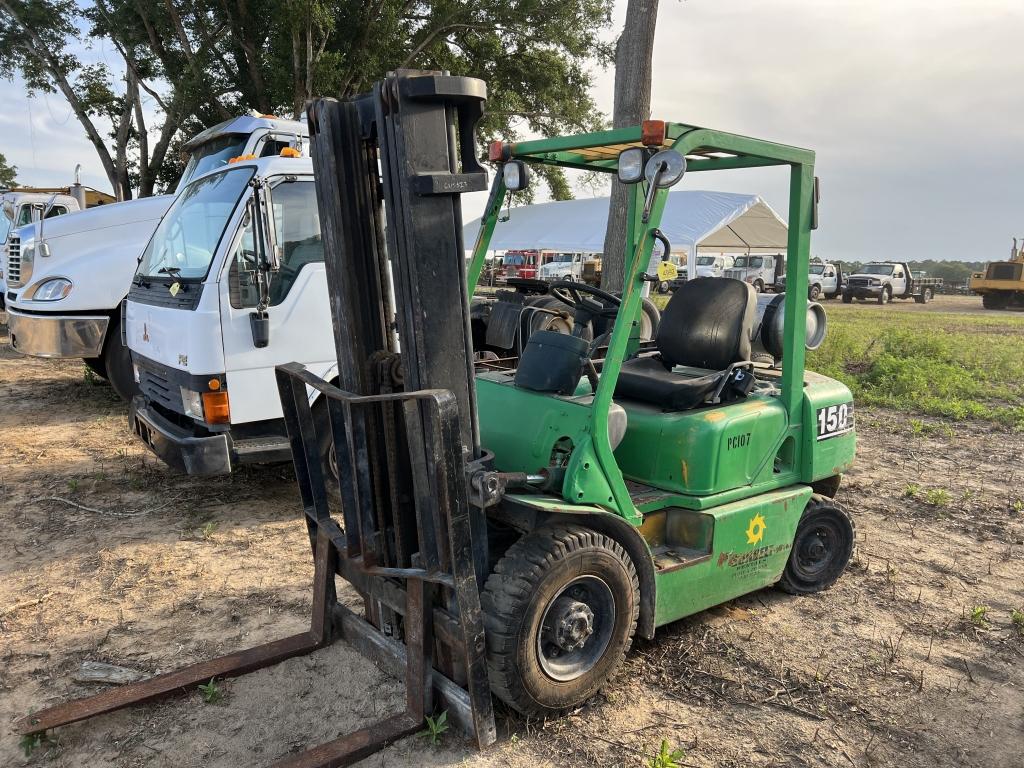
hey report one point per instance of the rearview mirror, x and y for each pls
(631, 165)
(9, 210)
(665, 168)
(516, 175)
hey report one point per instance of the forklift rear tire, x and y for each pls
(328, 456)
(560, 610)
(822, 548)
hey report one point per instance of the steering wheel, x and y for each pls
(568, 292)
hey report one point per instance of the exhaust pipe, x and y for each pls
(769, 325)
(77, 190)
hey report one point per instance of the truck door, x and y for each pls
(899, 281)
(828, 280)
(300, 318)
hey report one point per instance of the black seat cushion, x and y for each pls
(708, 323)
(646, 379)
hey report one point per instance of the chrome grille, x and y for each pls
(735, 274)
(860, 282)
(14, 262)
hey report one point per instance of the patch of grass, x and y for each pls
(208, 530)
(1017, 618)
(938, 497)
(666, 757)
(435, 728)
(945, 364)
(979, 616)
(911, 490)
(31, 742)
(1017, 507)
(211, 692)
(72, 484)
(90, 378)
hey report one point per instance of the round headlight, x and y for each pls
(52, 290)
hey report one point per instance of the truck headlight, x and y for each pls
(875, 281)
(54, 289)
(192, 403)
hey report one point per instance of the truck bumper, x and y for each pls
(210, 455)
(864, 292)
(57, 335)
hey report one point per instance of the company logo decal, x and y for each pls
(756, 529)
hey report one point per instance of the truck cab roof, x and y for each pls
(248, 124)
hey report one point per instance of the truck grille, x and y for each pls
(735, 274)
(14, 276)
(158, 389)
(860, 282)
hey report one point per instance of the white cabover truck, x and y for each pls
(67, 278)
(231, 285)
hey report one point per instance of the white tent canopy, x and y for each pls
(694, 221)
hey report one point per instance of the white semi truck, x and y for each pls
(231, 285)
(67, 278)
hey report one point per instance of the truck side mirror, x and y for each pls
(259, 324)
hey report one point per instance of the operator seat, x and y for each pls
(707, 324)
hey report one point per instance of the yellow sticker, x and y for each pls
(755, 531)
(667, 271)
(175, 287)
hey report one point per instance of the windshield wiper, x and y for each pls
(140, 281)
(172, 271)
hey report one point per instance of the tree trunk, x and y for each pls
(633, 53)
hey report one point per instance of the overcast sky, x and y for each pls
(914, 107)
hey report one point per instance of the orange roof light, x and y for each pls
(496, 151)
(216, 409)
(652, 133)
(290, 152)
(241, 158)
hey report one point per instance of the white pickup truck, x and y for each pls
(762, 272)
(67, 280)
(231, 285)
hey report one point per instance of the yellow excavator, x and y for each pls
(1001, 285)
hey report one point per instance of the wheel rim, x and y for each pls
(816, 549)
(576, 628)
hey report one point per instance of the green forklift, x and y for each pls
(509, 530)
(660, 481)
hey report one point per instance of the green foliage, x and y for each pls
(979, 616)
(8, 173)
(941, 364)
(911, 490)
(208, 530)
(1017, 618)
(938, 497)
(31, 742)
(666, 758)
(211, 692)
(435, 727)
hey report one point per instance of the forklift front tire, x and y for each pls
(822, 548)
(560, 610)
(328, 455)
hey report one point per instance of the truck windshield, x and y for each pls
(817, 269)
(186, 239)
(751, 262)
(877, 269)
(705, 261)
(214, 154)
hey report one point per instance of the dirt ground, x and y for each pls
(107, 556)
(968, 305)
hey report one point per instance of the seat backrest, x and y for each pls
(708, 323)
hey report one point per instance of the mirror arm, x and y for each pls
(652, 190)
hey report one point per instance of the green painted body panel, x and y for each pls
(704, 451)
(745, 555)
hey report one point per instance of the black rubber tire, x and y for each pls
(95, 364)
(847, 298)
(927, 295)
(517, 594)
(328, 459)
(824, 523)
(814, 292)
(117, 360)
(885, 296)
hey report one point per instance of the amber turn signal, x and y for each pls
(215, 407)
